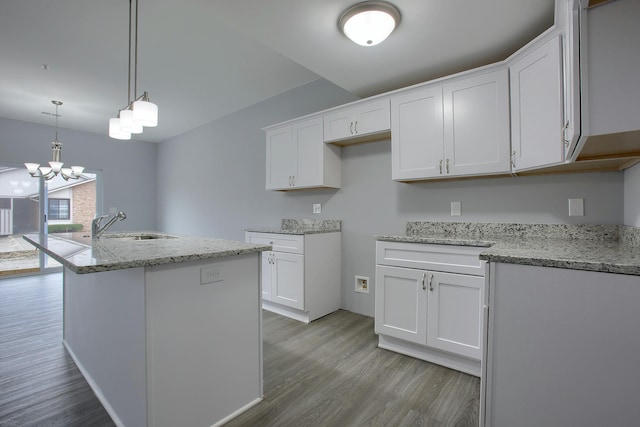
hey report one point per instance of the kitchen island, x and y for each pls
(166, 329)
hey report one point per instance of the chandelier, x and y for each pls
(55, 165)
(139, 113)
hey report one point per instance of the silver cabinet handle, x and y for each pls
(293, 180)
(423, 277)
(356, 127)
(447, 166)
(564, 131)
(440, 166)
(431, 283)
(513, 159)
(351, 128)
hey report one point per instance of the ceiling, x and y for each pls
(203, 59)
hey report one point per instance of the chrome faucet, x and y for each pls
(96, 225)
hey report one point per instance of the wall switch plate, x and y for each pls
(317, 208)
(576, 207)
(362, 284)
(455, 208)
(211, 274)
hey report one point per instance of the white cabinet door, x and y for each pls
(401, 303)
(476, 125)
(280, 158)
(287, 283)
(308, 146)
(266, 273)
(537, 107)
(297, 157)
(455, 313)
(358, 120)
(417, 134)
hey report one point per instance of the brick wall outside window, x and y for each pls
(84, 204)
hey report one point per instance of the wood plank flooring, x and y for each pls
(39, 383)
(328, 373)
(331, 373)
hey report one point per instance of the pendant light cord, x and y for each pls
(135, 70)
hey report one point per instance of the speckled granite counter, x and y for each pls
(604, 248)
(301, 226)
(118, 251)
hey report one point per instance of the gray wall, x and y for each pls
(632, 196)
(128, 168)
(213, 184)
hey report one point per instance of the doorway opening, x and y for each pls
(35, 206)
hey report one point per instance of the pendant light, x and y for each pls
(370, 22)
(55, 165)
(141, 112)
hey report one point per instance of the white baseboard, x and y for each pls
(96, 390)
(238, 412)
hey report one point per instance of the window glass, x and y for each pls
(59, 209)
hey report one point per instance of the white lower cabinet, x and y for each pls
(301, 275)
(429, 302)
(287, 279)
(454, 313)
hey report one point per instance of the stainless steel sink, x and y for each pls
(134, 236)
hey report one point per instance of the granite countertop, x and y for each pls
(603, 248)
(116, 251)
(301, 226)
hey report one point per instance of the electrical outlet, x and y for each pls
(362, 284)
(211, 274)
(455, 208)
(317, 208)
(576, 207)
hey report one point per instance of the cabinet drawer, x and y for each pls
(291, 243)
(447, 258)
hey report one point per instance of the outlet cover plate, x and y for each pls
(317, 208)
(455, 208)
(576, 207)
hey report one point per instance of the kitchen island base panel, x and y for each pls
(203, 341)
(161, 349)
(104, 332)
(449, 360)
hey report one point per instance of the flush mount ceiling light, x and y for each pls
(55, 165)
(140, 112)
(370, 22)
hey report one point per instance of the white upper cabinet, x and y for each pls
(357, 121)
(476, 124)
(297, 157)
(537, 107)
(417, 139)
(453, 129)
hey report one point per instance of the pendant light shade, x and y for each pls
(127, 123)
(370, 22)
(115, 130)
(145, 113)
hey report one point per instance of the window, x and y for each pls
(59, 209)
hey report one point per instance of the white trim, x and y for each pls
(238, 412)
(96, 390)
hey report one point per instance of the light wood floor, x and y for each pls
(328, 373)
